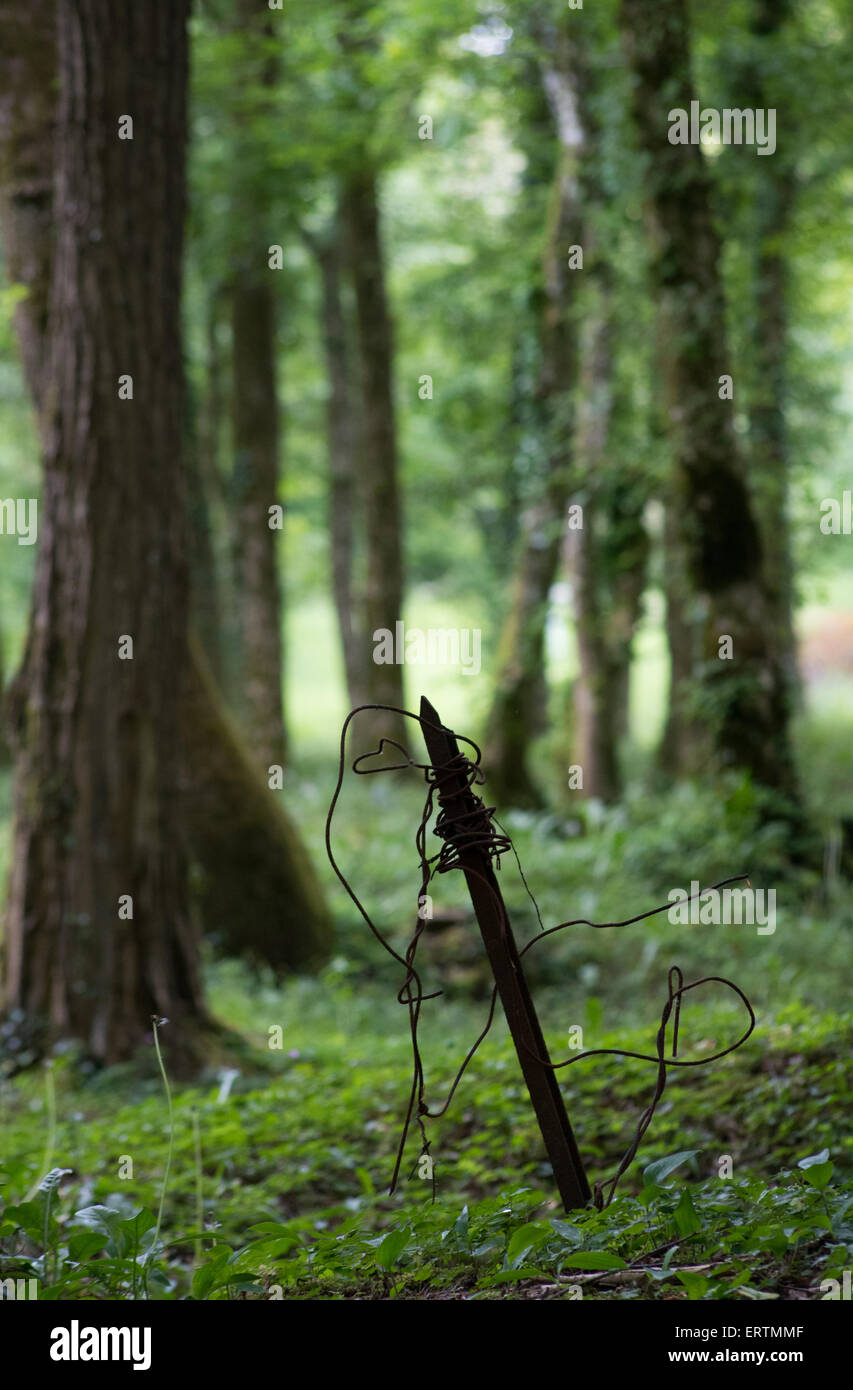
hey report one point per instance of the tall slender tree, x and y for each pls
(745, 699)
(378, 463)
(516, 711)
(770, 464)
(342, 437)
(255, 405)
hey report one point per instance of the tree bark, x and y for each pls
(517, 708)
(745, 701)
(255, 408)
(27, 132)
(598, 687)
(683, 748)
(255, 489)
(378, 463)
(96, 817)
(776, 191)
(205, 613)
(342, 434)
(216, 779)
(255, 889)
(221, 649)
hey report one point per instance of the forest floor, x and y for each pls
(278, 1179)
(277, 1183)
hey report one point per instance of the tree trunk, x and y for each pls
(96, 820)
(776, 188)
(205, 611)
(255, 406)
(255, 489)
(608, 564)
(594, 693)
(255, 889)
(27, 132)
(745, 701)
(214, 474)
(378, 465)
(683, 747)
(5, 751)
(342, 433)
(210, 788)
(517, 709)
(768, 422)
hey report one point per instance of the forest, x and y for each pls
(374, 372)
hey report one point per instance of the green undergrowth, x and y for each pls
(741, 1188)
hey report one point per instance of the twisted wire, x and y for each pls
(474, 828)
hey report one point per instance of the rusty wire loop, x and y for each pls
(475, 829)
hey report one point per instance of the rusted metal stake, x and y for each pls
(456, 798)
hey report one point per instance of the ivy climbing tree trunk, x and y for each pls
(746, 701)
(96, 807)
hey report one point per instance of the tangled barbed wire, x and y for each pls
(477, 828)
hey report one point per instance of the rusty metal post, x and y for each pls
(457, 799)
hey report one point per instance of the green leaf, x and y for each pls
(594, 1259)
(695, 1284)
(28, 1217)
(487, 1247)
(263, 1251)
(566, 1231)
(813, 1159)
(83, 1244)
(661, 1169)
(818, 1175)
(460, 1225)
(685, 1217)
(528, 1237)
(99, 1218)
(392, 1246)
(209, 1275)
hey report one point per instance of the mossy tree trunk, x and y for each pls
(745, 700)
(254, 885)
(770, 465)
